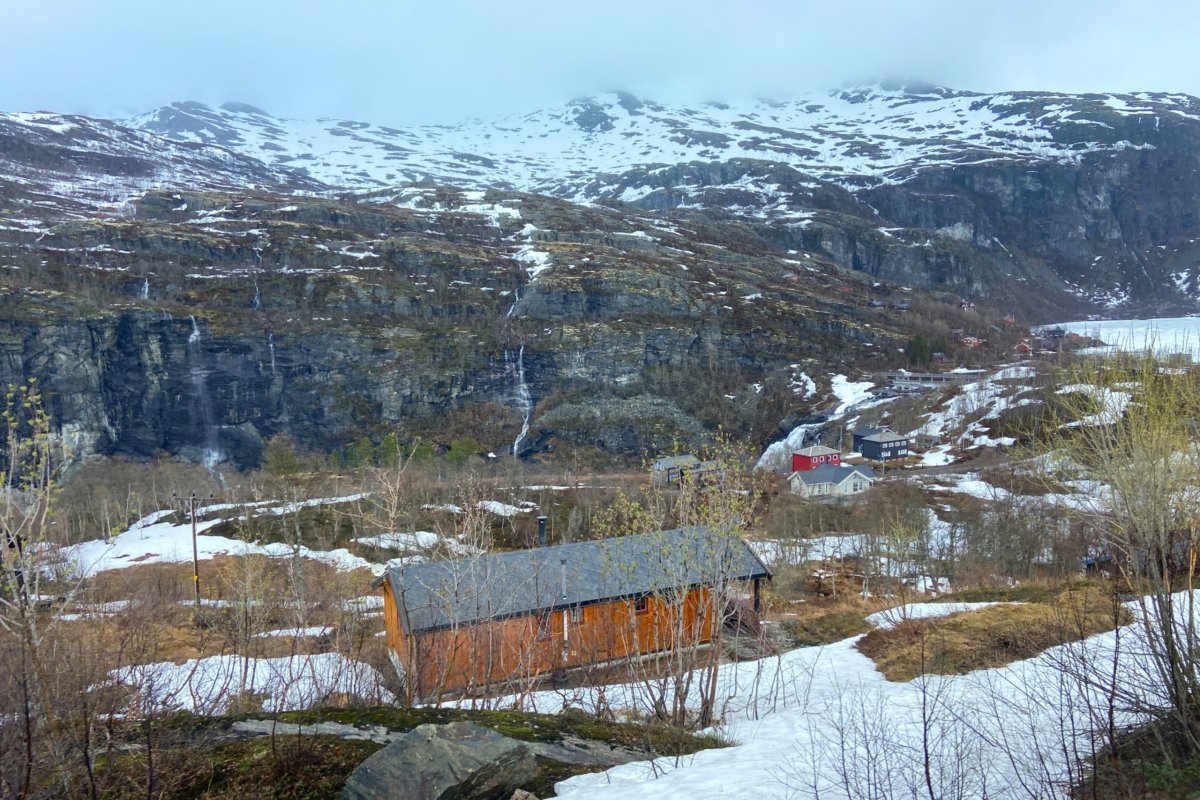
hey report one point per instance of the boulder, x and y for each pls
(456, 761)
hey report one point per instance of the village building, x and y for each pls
(455, 626)
(671, 471)
(884, 446)
(862, 432)
(815, 456)
(927, 440)
(831, 481)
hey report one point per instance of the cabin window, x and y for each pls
(641, 605)
(576, 615)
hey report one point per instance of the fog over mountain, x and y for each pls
(409, 63)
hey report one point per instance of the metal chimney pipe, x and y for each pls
(541, 531)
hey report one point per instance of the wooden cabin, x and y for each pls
(675, 470)
(670, 470)
(453, 626)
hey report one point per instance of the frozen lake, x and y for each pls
(1166, 335)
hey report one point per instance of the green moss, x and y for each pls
(286, 768)
(659, 739)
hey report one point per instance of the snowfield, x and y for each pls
(881, 133)
(893, 616)
(1162, 336)
(149, 541)
(823, 722)
(210, 685)
(165, 543)
(981, 401)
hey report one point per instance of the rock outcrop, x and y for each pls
(456, 761)
(208, 323)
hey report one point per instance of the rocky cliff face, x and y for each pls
(195, 280)
(206, 323)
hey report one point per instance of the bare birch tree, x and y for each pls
(1127, 440)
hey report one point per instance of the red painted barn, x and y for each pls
(813, 457)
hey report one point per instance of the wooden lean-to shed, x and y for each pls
(499, 617)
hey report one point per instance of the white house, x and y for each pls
(830, 480)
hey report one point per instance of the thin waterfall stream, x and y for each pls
(211, 455)
(522, 398)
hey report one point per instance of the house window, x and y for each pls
(641, 605)
(576, 615)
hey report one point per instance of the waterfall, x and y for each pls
(271, 348)
(516, 299)
(211, 456)
(144, 289)
(521, 397)
(778, 455)
(256, 303)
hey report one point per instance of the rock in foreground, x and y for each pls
(459, 760)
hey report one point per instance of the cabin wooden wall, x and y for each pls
(528, 646)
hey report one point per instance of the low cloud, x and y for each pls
(409, 63)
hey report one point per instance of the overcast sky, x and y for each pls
(392, 61)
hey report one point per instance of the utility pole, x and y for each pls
(566, 614)
(195, 550)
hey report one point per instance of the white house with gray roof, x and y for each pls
(829, 480)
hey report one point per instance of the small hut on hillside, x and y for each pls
(456, 625)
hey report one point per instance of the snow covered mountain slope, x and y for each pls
(855, 138)
(1056, 205)
(53, 163)
(1065, 203)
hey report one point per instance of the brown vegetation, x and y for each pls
(992, 636)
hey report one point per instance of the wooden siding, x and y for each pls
(531, 645)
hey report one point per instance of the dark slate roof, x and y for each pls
(886, 437)
(868, 430)
(686, 460)
(833, 473)
(441, 594)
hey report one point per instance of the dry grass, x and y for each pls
(163, 625)
(824, 620)
(993, 636)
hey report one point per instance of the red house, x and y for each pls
(813, 457)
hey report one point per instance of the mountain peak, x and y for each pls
(897, 88)
(243, 108)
